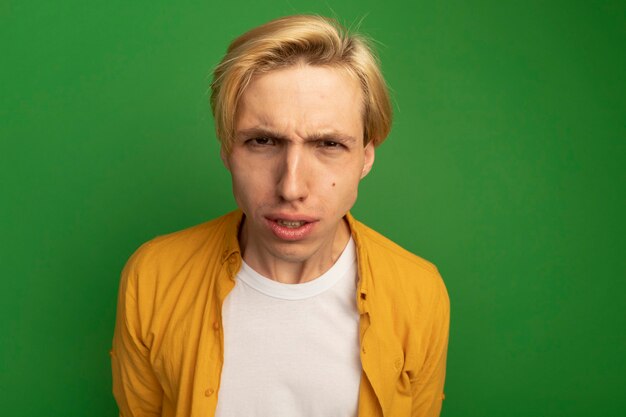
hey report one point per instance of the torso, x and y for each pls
(292, 349)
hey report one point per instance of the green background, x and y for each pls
(505, 167)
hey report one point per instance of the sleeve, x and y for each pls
(135, 386)
(427, 385)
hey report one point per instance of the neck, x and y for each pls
(293, 265)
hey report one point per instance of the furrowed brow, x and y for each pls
(259, 132)
(333, 136)
(265, 132)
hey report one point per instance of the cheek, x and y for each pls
(342, 192)
(245, 187)
(252, 184)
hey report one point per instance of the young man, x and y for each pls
(287, 306)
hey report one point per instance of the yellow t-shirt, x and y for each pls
(167, 350)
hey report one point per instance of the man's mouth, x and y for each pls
(292, 224)
(291, 229)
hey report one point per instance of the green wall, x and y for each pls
(505, 167)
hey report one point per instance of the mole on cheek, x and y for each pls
(333, 184)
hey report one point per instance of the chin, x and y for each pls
(292, 251)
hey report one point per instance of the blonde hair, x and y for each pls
(290, 40)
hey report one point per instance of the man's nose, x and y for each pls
(293, 175)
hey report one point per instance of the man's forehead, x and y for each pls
(301, 103)
(308, 81)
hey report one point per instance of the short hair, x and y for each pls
(291, 40)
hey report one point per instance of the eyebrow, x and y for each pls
(265, 132)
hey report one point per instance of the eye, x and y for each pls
(330, 144)
(261, 141)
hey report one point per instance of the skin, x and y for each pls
(298, 154)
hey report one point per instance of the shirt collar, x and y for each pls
(231, 232)
(356, 229)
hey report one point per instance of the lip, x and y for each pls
(288, 233)
(291, 217)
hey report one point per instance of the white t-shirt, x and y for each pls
(292, 350)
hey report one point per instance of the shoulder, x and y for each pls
(401, 272)
(186, 240)
(376, 244)
(165, 255)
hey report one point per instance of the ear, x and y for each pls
(368, 160)
(224, 157)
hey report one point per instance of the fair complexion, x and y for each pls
(296, 163)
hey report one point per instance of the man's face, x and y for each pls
(297, 160)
